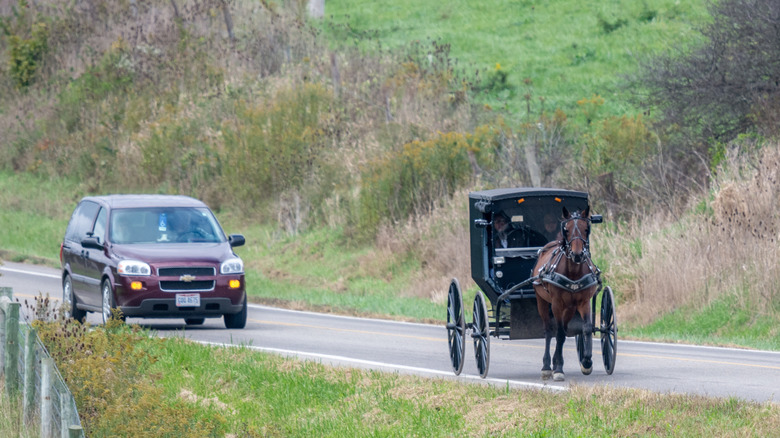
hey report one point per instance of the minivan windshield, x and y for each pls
(164, 225)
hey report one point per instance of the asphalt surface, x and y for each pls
(422, 349)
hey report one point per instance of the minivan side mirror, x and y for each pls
(91, 243)
(236, 240)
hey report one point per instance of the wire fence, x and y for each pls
(30, 372)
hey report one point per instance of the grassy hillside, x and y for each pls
(344, 149)
(560, 51)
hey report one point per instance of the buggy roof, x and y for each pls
(512, 193)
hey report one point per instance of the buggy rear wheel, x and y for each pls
(608, 330)
(456, 327)
(481, 335)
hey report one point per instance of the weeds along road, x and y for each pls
(422, 349)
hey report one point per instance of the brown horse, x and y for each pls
(567, 280)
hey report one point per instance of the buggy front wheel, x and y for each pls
(608, 330)
(481, 335)
(456, 327)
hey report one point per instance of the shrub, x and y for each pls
(275, 145)
(27, 46)
(616, 153)
(108, 374)
(414, 179)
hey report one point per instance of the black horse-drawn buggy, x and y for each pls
(530, 257)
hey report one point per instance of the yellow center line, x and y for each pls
(425, 338)
(717, 362)
(365, 332)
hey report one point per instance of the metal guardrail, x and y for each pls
(30, 371)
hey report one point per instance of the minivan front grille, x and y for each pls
(179, 286)
(198, 271)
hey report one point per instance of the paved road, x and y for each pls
(422, 349)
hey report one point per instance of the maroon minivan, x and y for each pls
(151, 256)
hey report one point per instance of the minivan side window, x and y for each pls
(81, 221)
(100, 226)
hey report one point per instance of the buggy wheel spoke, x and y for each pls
(456, 327)
(481, 335)
(608, 330)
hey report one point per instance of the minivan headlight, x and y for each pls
(133, 267)
(232, 266)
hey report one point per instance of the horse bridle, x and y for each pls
(585, 240)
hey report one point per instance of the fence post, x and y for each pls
(29, 374)
(66, 413)
(8, 293)
(12, 348)
(47, 367)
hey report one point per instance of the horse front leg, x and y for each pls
(544, 312)
(560, 338)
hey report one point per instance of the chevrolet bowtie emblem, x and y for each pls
(187, 278)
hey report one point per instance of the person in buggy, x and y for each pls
(508, 235)
(504, 235)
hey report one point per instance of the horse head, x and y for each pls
(575, 229)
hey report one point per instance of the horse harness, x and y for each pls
(547, 273)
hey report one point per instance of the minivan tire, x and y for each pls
(69, 299)
(108, 301)
(236, 320)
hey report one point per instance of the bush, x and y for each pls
(27, 46)
(108, 374)
(414, 179)
(616, 153)
(275, 145)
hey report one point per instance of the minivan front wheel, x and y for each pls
(236, 320)
(108, 301)
(69, 301)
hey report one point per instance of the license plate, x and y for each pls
(187, 300)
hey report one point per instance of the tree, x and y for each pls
(727, 84)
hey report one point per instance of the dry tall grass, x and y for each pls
(729, 248)
(441, 240)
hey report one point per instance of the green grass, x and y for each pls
(136, 384)
(723, 322)
(261, 394)
(11, 423)
(561, 46)
(34, 214)
(318, 270)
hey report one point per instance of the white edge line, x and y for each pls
(21, 271)
(371, 363)
(278, 309)
(390, 321)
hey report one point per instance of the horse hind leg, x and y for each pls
(544, 312)
(586, 365)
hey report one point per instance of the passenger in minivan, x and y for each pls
(121, 228)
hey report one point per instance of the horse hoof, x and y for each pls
(546, 374)
(586, 371)
(559, 377)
